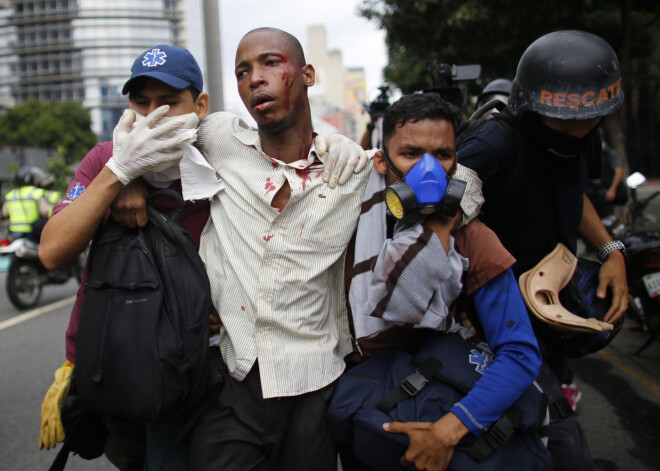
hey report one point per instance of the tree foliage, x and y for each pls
(65, 127)
(495, 33)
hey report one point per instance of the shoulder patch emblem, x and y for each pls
(75, 192)
(481, 360)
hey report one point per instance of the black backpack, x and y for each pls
(142, 343)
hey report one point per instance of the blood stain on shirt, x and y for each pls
(270, 186)
(304, 174)
(302, 228)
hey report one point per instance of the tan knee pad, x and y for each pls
(540, 289)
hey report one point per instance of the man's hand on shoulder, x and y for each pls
(431, 444)
(344, 158)
(129, 208)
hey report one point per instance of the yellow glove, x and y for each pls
(52, 430)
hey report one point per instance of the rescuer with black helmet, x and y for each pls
(498, 89)
(534, 158)
(24, 177)
(568, 75)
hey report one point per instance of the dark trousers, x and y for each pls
(159, 446)
(566, 440)
(243, 432)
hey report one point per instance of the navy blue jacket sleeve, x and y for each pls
(517, 362)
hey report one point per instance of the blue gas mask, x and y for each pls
(425, 190)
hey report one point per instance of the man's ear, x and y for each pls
(309, 75)
(202, 105)
(379, 163)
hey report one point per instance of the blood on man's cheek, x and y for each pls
(288, 82)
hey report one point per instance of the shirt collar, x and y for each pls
(250, 137)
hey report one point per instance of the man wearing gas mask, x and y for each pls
(534, 160)
(415, 240)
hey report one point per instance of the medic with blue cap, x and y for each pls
(107, 183)
(174, 66)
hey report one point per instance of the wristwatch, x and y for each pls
(607, 248)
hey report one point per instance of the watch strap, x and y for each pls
(610, 246)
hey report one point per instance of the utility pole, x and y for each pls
(213, 54)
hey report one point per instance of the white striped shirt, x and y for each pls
(277, 277)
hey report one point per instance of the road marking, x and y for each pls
(651, 385)
(36, 313)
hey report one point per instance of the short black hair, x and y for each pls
(138, 85)
(416, 107)
(290, 40)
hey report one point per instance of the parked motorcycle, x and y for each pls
(26, 276)
(642, 260)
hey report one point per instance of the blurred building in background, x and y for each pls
(337, 98)
(82, 50)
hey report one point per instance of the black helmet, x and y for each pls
(568, 75)
(498, 86)
(42, 179)
(24, 177)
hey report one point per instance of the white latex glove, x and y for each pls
(472, 199)
(345, 157)
(149, 145)
(191, 122)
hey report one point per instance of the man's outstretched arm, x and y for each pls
(68, 232)
(136, 150)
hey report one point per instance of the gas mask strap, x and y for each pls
(391, 165)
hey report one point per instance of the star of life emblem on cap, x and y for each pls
(154, 58)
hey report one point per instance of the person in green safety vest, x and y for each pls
(26, 205)
(51, 196)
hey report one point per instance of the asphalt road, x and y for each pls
(619, 411)
(620, 406)
(30, 351)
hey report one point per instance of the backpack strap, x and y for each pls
(72, 437)
(411, 385)
(495, 103)
(560, 409)
(151, 200)
(497, 435)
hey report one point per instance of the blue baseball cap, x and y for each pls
(174, 66)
